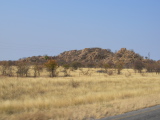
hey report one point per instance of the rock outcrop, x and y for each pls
(86, 55)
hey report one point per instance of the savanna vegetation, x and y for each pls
(53, 90)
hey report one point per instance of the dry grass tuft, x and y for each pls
(75, 84)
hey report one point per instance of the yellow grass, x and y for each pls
(77, 97)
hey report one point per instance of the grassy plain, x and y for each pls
(78, 97)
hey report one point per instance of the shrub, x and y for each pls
(85, 72)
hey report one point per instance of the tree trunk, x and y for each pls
(119, 71)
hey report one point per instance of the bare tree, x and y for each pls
(37, 69)
(119, 66)
(157, 68)
(6, 68)
(22, 69)
(108, 65)
(66, 70)
(138, 66)
(150, 65)
(76, 65)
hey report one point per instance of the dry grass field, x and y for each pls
(78, 97)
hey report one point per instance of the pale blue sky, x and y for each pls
(39, 27)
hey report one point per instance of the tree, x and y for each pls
(108, 65)
(150, 65)
(37, 69)
(22, 68)
(46, 57)
(51, 66)
(7, 68)
(76, 65)
(157, 68)
(66, 70)
(4, 67)
(119, 66)
(138, 65)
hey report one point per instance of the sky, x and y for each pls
(50, 27)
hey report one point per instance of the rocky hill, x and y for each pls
(86, 55)
(90, 55)
(127, 56)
